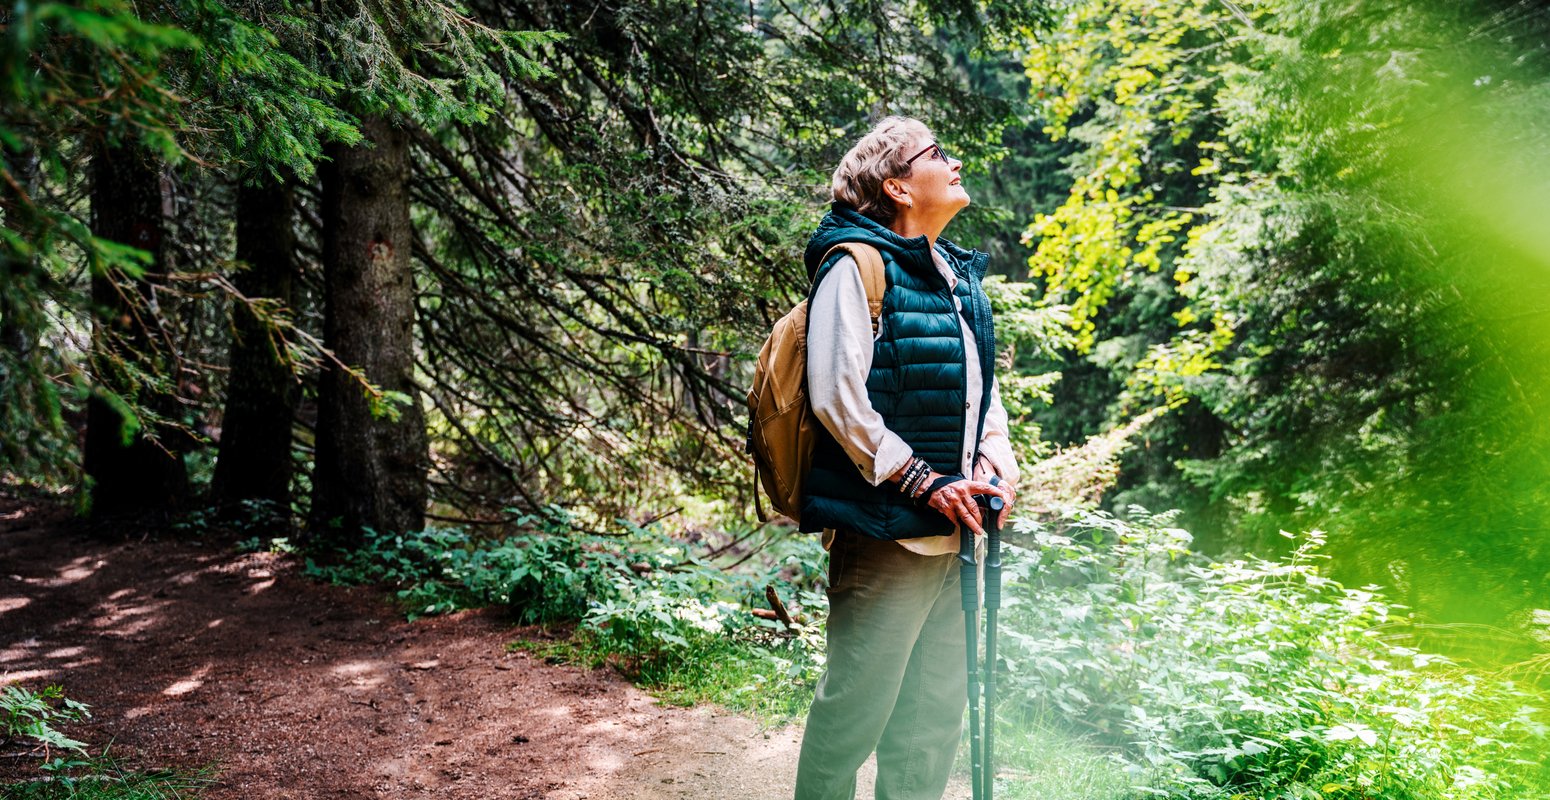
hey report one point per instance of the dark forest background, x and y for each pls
(355, 263)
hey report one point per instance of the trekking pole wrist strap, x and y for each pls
(925, 497)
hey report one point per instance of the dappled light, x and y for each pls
(12, 603)
(126, 617)
(188, 684)
(78, 570)
(25, 675)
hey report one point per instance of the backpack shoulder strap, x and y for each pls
(870, 262)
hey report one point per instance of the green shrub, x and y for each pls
(29, 715)
(33, 715)
(646, 603)
(681, 633)
(549, 576)
(1251, 678)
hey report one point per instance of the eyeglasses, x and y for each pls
(934, 149)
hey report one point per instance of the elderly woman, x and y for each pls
(913, 428)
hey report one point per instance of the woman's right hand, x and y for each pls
(956, 501)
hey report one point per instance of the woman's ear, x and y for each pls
(897, 191)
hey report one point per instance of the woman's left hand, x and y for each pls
(984, 473)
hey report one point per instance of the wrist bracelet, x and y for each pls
(914, 471)
(918, 477)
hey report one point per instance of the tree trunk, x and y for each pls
(261, 395)
(130, 471)
(370, 468)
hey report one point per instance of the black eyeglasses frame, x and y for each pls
(940, 153)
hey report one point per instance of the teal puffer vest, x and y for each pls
(917, 380)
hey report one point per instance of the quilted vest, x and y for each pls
(917, 381)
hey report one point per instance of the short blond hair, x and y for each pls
(858, 180)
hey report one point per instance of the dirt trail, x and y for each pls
(194, 655)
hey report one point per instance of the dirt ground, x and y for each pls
(193, 655)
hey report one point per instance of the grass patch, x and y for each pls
(104, 778)
(750, 678)
(1036, 760)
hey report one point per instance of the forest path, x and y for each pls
(194, 655)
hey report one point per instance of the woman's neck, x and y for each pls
(910, 225)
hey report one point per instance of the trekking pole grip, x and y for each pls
(968, 571)
(994, 505)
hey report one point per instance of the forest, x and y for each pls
(455, 305)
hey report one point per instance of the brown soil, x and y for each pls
(192, 655)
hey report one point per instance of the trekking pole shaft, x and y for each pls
(969, 584)
(992, 519)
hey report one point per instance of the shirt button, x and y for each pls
(966, 404)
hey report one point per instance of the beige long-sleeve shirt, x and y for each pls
(839, 356)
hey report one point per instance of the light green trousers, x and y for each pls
(895, 680)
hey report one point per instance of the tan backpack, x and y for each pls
(781, 425)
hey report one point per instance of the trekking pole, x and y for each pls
(992, 519)
(969, 583)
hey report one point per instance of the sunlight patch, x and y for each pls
(25, 675)
(76, 571)
(13, 603)
(188, 684)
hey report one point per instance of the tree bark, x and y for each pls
(131, 472)
(261, 396)
(370, 469)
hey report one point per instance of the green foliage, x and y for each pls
(1313, 244)
(673, 621)
(548, 577)
(104, 778)
(35, 715)
(1251, 678)
(635, 229)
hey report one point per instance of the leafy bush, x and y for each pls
(548, 577)
(1250, 678)
(671, 620)
(689, 634)
(33, 715)
(29, 715)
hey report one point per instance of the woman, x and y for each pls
(912, 429)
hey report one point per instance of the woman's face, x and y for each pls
(933, 181)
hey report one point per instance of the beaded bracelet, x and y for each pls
(917, 480)
(914, 472)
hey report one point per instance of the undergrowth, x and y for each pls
(1130, 666)
(1251, 678)
(653, 607)
(31, 719)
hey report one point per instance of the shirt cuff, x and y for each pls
(892, 454)
(996, 457)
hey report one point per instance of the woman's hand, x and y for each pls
(956, 501)
(983, 472)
